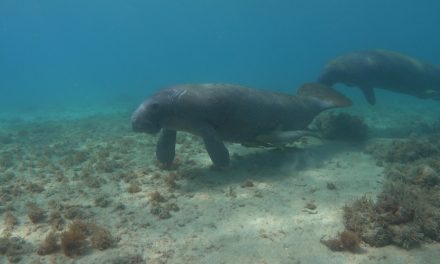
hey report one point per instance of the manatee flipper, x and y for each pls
(166, 145)
(281, 138)
(217, 151)
(369, 94)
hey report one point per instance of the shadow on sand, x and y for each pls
(268, 164)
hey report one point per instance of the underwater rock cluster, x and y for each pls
(407, 211)
(341, 126)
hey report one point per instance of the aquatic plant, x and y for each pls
(407, 211)
(330, 186)
(35, 213)
(101, 238)
(106, 166)
(247, 184)
(403, 215)
(75, 158)
(157, 208)
(405, 151)
(134, 187)
(50, 244)
(407, 236)
(73, 212)
(6, 160)
(156, 197)
(56, 220)
(311, 205)
(170, 181)
(94, 182)
(346, 240)
(10, 221)
(126, 176)
(341, 126)
(14, 248)
(34, 187)
(349, 240)
(73, 242)
(103, 201)
(161, 212)
(79, 226)
(419, 173)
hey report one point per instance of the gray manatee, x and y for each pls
(232, 113)
(383, 69)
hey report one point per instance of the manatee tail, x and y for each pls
(325, 96)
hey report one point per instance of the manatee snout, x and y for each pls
(333, 73)
(143, 120)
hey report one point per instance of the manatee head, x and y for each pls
(348, 69)
(334, 72)
(150, 115)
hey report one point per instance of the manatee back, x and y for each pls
(239, 113)
(382, 69)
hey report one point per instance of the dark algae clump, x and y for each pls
(160, 206)
(101, 238)
(80, 235)
(50, 244)
(35, 213)
(389, 220)
(73, 240)
(341, 126)
(78, 239)
(403, 151)
(346, 240)
(407, 211)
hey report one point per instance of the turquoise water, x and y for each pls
(72, 169)
(58, 51)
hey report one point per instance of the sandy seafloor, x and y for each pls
(85, 159)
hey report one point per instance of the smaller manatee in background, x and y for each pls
(386, 70)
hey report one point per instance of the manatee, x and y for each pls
(383, 69)
(230, 113)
